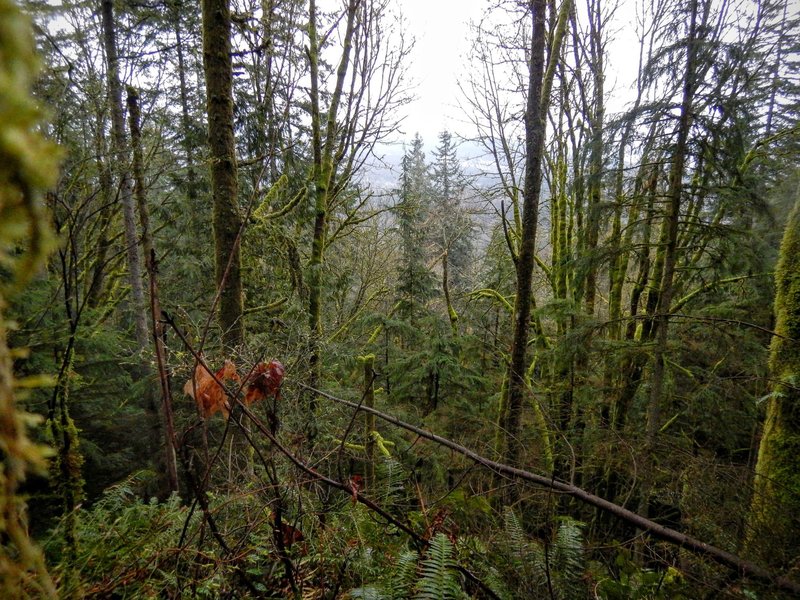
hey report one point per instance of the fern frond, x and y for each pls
(404, 576)
(497, 584)
(367, 593)
(391, 479)
(568, 559)
(439, 578)
(517, 539)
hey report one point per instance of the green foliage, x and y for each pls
(126, 546)
(530, 564)
(28, 166)
(567, 561)
(432, 578)
(633, 582)
(439, 580)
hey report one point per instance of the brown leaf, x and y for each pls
(207, 393)
(264, 381)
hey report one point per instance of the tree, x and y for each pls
(348, 119)
(224, 178)
(775, 527)
(122, 160)
(538, 91)
(415, 281)
(454, 238)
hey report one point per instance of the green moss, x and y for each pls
(28, 166)
(775, 531)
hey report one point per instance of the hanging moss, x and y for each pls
(66, 469)
(28, 165)
(775, 517)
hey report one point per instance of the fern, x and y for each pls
(405, 575)
(439, 579)
(497, 584)
(367, 593)
(567, 563)
(398, 586)
(517, 540)
(391, 478)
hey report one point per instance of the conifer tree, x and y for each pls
(416, 283)
(454, 228)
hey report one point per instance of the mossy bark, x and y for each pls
(369, 418)
(775, 513)
(66, 468)
(323, 183)
(227, 220)
(122, 160)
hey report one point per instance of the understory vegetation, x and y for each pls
(258, 342)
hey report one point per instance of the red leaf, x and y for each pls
(265, 381)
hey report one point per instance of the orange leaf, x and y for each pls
(207, 393)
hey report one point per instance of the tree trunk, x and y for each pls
(534, 146)
(775, 528)
(122, 160)
(369, 418)
(170, 465)
(186, 121)
(661, 301)
(323, 174)
(595, 115)
(224, 183)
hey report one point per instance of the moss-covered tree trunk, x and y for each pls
(224, 183)
(534, 146)
(775, 513)
(122, 160)
(323, 182)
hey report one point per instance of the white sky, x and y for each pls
(441, 30)
(441, 55)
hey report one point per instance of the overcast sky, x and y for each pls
(441, 30)
(441, 55)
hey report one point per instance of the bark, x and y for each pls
(227, 220)
(323, 181)
(775, 528)
(534, 146)
(660, 299)
(451, 311)
(97, 284)
(669, 234)
(167, 431)
(369, 419)
(186, 121)
(122, 161)
(596, 115)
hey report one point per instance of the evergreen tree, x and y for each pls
(415, 281)
(453, 231)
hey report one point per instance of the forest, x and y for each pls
(259, 341)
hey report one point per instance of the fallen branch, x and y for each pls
(694, 545)
(350, 490)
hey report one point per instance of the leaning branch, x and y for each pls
(741, 566)
(348, 488)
